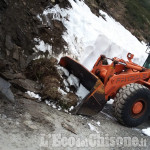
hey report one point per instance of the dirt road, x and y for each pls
(29, 125)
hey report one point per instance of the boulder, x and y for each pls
(5, 90)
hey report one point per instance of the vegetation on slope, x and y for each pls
(133, 14)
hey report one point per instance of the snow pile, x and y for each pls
(98, 123)
(42, 46)
(33, 95)
(53, 104)
(72, 80)
(82, 91)
(146, 131)
(61, 91)
(93, 128)
(89, 36)
(110, 101)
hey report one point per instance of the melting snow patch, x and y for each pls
(71, 108)
(32, 94)
(59, 108)
(66, 72)
(65, 82)
(42, 46)
(110, 101)
(98, 123)
(51, 103)
(61, 91)
(65, 110)
(93, 128)
(72, 80)
(82, 91)
(146, 131)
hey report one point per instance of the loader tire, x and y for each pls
(132, 104)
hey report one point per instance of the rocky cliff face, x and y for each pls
(133, 15)
(19, 26)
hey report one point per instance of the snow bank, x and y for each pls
(89, 36)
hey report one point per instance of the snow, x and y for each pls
(72, 80)
(89, 36)
(146, 131)
(33, 95)
(65, 110)
(61, 91)
(42, 46)
(65, 82)
(71, 108)
(110, 101)
(93, 128)
(98, 123)
(66, 72)
(82, 91)
(52, 104)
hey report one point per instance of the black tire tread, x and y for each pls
(121, 98)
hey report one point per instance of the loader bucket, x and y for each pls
(95, 100)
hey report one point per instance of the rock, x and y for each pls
(22, 62)
(68, 100)
(5, 90)
(38, 69)
(3, 4)
(26, 85)
(16, 52)
(50, 89)
(10, 76)
(8, 43)
(3, 65)
(68, 127)
(25, 95)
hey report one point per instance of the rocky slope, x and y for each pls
(20, 28)
(23, 123)
(133, 15)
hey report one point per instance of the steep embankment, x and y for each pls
(133, 15)
(31, 33)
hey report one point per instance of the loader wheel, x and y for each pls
(132, 104)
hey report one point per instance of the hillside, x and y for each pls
(37, 95)
(134, 15)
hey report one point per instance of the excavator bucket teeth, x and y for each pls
(95, 100)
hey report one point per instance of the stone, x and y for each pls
(5, 90)
(68, 127)
(50, 89)
(3, 5)
(8, 43)
(16, 52)
(10, 76)
(68, 100)
(26, 85)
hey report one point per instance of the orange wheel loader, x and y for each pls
(124, 81)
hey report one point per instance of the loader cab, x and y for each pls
(147, 62)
